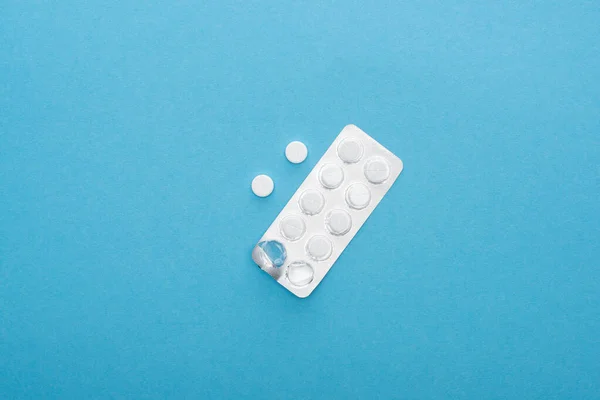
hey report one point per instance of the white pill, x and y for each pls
(311, 202)
(358, 196)
(338, 222)
(292, 227)
(377, 170)
(300, 273)
(296, 152)
(319, 248)
(350, 150)
(331, 176)
(262, 185)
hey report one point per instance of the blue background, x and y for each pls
(130, 132)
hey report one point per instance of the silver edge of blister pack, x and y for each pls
(367, 164)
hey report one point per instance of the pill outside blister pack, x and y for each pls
(327, 210)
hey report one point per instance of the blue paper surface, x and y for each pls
(130, 132)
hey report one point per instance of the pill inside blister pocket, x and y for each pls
(319, 248)
(311, 202)
(300, 273)
(338, 222)
(292, 227)
(377, 170)
(331, 176)
(350, 150)
(358, 196)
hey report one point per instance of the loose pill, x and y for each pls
(262, 185)
(296, 152)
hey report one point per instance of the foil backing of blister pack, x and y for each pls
(326, 211)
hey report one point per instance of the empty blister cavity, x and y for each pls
(292, 227)
(319, 248)
(300, 273)
(269, 254)
(331, 176)
(350, 150)
(338, 222)
(311, 202)
(358, 196)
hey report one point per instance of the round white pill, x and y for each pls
(350, 150)
(300, 273)
(311, 202)
(262, 185)
(377, 170)
(358, 196)
(319, 248)
(331, 176)
(292, 227)
(296, 152)
(338, 222)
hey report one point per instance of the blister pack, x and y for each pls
(327, 210)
